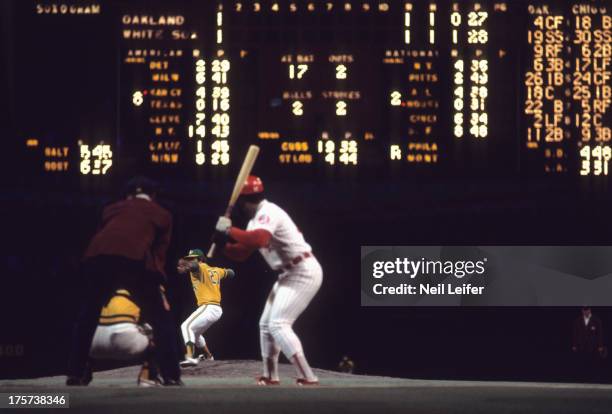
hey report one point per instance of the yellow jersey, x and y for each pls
(120, 309)
(207, 284)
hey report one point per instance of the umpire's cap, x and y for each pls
(141, 185)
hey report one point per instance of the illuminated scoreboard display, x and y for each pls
(325, 88)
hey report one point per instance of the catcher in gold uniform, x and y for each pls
(206, 281)
(122, 335)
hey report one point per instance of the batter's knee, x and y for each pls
(276, 327)
(264, 325)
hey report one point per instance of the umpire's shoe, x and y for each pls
(82, 381)
(173, 383)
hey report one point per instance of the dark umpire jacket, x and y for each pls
(137, 229)
(588, 338)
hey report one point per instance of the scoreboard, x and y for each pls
(329, 89)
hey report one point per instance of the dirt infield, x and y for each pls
(228, 387)
(213, 373)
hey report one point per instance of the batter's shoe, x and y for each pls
(267, 381)
(203, 357)
(304, 382)
(189, 362)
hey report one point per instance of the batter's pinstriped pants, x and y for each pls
(289, 297)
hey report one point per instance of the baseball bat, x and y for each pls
(245, 171)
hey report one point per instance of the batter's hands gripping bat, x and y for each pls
(245, 171)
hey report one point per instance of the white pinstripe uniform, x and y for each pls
(300, 279)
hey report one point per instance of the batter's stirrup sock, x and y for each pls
(302, 368)
(270, 368)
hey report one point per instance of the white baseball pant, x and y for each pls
(198, 323)
(121, 341)
(289, 297)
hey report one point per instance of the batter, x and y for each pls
(282, 245)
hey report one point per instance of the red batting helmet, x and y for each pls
(252, 185)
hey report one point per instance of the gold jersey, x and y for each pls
(207, 284)
(120, 309)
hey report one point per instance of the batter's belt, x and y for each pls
(295, 261)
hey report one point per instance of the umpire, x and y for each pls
(128, 251)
